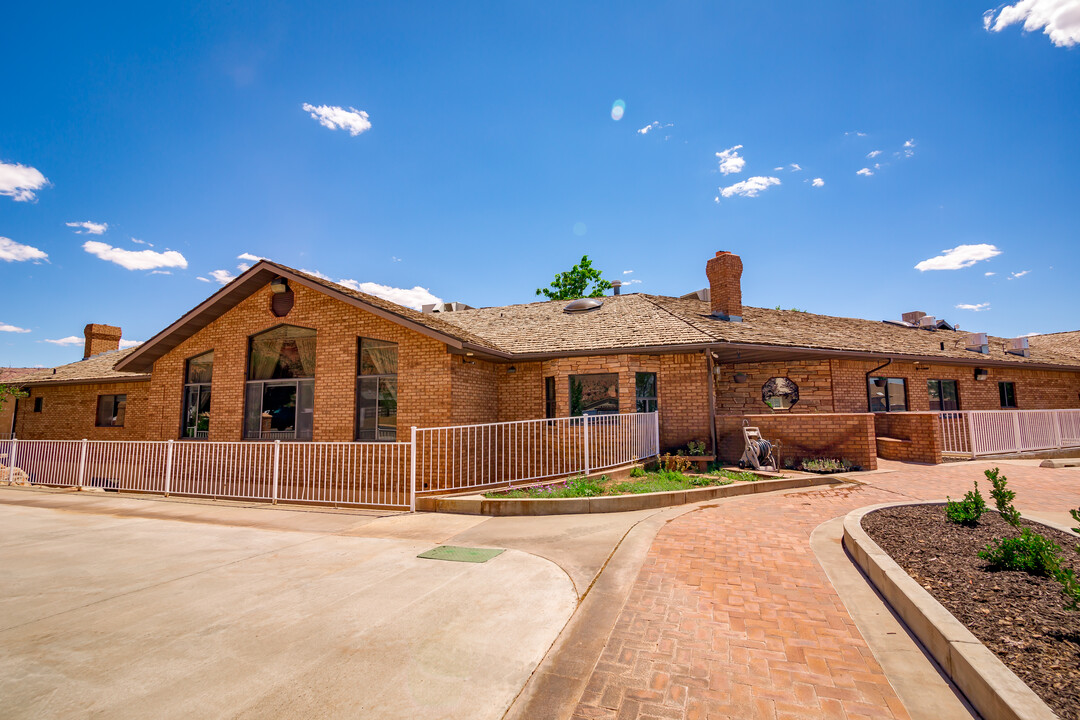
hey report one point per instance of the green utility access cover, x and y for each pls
(461, 554)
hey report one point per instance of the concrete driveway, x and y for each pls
(113, 607)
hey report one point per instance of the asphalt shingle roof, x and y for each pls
(97, 368)
(1062, 343)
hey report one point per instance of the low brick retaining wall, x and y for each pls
(843, 436)
(909, 436)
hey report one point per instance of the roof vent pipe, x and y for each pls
(616, 287)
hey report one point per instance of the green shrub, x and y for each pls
(638, 472)
(824, 465)
(1031, 552)
(1076, 516)
(696, 448)
(1003, 497)
(966, 512)
(582, 486)
(736, 475)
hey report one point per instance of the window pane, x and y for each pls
(305, 409)
(196, 411)
(549, 397)
(594, 394)
(278, 410)
(284, 352)
(104, 411)
(877, 395)
(201, 368)
(367, 408)
(645, 385)
(387, 409)
(253, 410)
(897, 396)
(646, 405)
(950, 397)
(933, 387)
(378, 357)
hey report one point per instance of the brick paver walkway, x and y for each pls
(732, 617)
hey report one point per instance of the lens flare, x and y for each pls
(617, 110)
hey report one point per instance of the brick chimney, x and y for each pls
(725, 286)
(100, 338)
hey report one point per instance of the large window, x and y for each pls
(594, 394)
(1007, 391)
(376, 391)
(943, 395)
(111, 410)
(887, 394)
(197, 396)
(281, 385)
(645, 392)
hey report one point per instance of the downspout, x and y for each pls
(712, 401)
(867, 384)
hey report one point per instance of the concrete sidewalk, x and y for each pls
(136, 607)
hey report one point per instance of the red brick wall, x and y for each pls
(813, 377)
(1035, 389)
(843, 436)
(69, 412)
(424, 374)
(474, 396)
(921, 432)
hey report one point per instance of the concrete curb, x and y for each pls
(480, 505)
(991, 687)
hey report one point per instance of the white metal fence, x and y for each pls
(493, 454)
(993, 432)
(374, 474)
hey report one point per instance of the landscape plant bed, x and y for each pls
(1021, 618)
(604, 486)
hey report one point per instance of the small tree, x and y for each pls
(574, 283)
(9, 392)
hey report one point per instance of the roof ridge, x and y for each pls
(672, 313)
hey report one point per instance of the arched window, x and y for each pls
(197, 376)
(281, 384)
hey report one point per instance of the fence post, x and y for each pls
(412, 470)
(656, 433)
(168, 467)
(585, 424)
(1057, 428)
(971, 433)
(1016, 427)
(82, 463)
(277, 467)
(12, 460)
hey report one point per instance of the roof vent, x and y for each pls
(702, 295)
(583, 305)
(1018, 346)
(978, 342)
(928, 322)
(444, 307)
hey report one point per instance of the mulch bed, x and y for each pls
(1021, 618)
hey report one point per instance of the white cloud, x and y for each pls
(654, 126)
(978, 307)
(20, 181)
(4, 327)
(961, 256)
(137, 241)
(394, 258)
(161, 272)
(316, 273)
(749, 187)
(910, 143)
(873, 153)
(69, 340)
(855, 133)
(778, 169)
(866, 172)
(135, 259)
(200, 278)
(333, 117)
(795, 167)
(1029, 335)
(224, 277)
(627, 272)
(129, 343)
(1058, 19)
(1020, 274)
(730, 161)
(818, 182)
(11, 251)
(908, 149)
(989, 274)
(634, 281)
(414, 298)
(250, 257)
(90, 228)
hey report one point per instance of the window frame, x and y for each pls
(888, 405)
(39, 403)
(1006, 388)
(302, 386)
(379, 378)
(198, 387)
(941, 394)
(653, 400)
(551, 398)
(570, 382)
(116, 410)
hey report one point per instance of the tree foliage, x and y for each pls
(574, 283)
(9, 392)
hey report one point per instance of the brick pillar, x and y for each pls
(100, 338)
(725, 285)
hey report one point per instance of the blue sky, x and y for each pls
(481, 156)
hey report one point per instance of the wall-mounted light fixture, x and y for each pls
(511, 370)
(981, 373)
(279, 285)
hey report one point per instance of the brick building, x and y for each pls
(281, 354)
